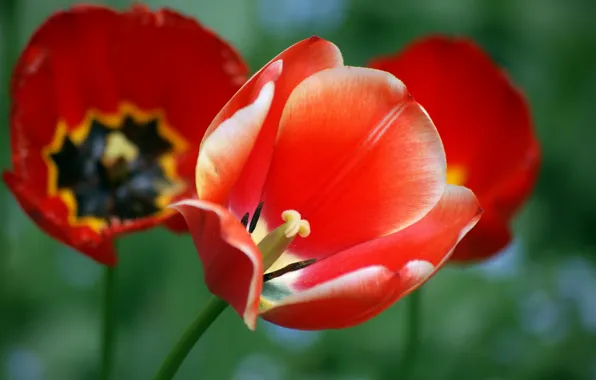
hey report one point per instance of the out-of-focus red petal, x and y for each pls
(165, 60)
(176, 224)
(322, 298)
(231, 261)
(50, 215)
(97, 58)
(484, 122)
(356, 156)
(220, 163)
(295, 64)
(489, 236)
(53, 79)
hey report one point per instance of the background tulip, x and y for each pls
(104, 132)
(485, 124)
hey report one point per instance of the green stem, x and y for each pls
(108, 323)
(9, 28)
(412, 334)
(191, 336)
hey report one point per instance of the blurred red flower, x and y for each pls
(485, 125)
(355, 168)
(108, 112)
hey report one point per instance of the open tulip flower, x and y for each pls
(108, 111)
(485, 125)
(322, 195)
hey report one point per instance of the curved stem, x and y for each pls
(108, 322)
(412, 334)
(190, 337)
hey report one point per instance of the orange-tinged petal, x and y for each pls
(224, 152)
(299, 61)
(231, 261)
(354, 285)
(356, 156)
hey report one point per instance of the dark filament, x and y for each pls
(244, 220)
(287, 269)
(255, 218)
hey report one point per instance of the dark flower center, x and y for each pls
(117, 172)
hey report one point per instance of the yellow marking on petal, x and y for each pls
(114, 120)
(456, 175)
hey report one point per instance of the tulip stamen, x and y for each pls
(276, 242)
(287, 269)
(255, 218)
(244, 219)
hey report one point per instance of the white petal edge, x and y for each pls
(344, 284)
(410, 270)
(244, 125)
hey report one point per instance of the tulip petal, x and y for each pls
(343, 290)
(490, 235)
(356, 156)
(484, 122)
(324, 306)
(299, 61)
(224, 152)
(231, 261)
(50, 215)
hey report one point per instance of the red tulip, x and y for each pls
(108, 111)
(339, 176)
(486, 128)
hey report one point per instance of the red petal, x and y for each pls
(220, 164)
(356, 156)
(165, 60)
(332, 304)
(479, 114)
(231, 261)
(324, 298)
(299, 62)
(95, 58)
(52, 79)
(490, 235)
(50, 216)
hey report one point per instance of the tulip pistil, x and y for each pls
(277, 241)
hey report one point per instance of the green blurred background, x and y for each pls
(530, 313)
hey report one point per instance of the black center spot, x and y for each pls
(115, 173)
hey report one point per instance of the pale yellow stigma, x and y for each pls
(275, 243)
(295, 225)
